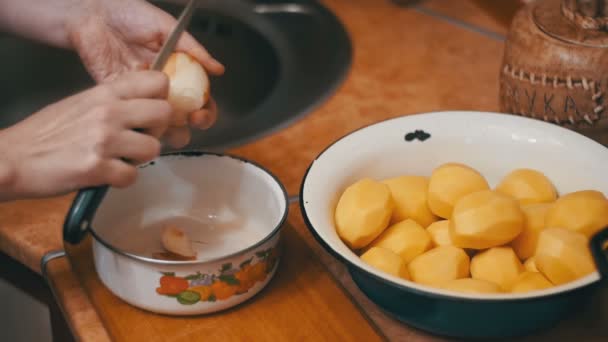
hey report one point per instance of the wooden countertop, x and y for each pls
(406, 60)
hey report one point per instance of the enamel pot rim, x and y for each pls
(601, 278)
(199, 153)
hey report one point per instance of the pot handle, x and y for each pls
(599, 253)
(82, 212)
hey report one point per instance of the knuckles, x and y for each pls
(160, 80)
(165, 112)
(151, 150)
(125, 178)
(102, 130)
(91, 168)
(106, 92)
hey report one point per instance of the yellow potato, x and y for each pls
(584, 211)
(524, 244)
(363, 212)
(470, 285)
(410, 198)
(499, 265)
(528, 186)
(530, 281)
(450, 182)
(562, 255)
(530, 265)
(386, 261)
(439, 265)
(406, 238)
(485, 219)
(440, 233)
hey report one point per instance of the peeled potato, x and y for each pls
(528, 186)
(439, 265)
(562, 255)
(363, 212)
(406, 238)
(525, 243)
(450, 182)
(176, 241)
(485, 219)
(530, 265)
(410, 198)
(499, 265)
(584, 211)
(530, 281)
(440, 233)
(470, 285)
(188, 86)
(387, 261)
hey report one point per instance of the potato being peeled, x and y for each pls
(363, 212)
(450, 182)
(485, 219)
(584, 211)
(188, 86)
(410, 197)
(528, 186)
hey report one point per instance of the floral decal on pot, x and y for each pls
(229, 281)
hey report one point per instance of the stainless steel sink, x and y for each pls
(282, 59)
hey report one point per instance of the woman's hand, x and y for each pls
(85, 139)
(115, 36)
(111, 37)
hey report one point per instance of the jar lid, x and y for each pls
(586, 14)
(549, 16)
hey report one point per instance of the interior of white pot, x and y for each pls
(224, 204)
(494, 144)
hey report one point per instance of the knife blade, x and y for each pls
(169, 45)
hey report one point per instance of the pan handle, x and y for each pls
(599, 252)
(81, 213)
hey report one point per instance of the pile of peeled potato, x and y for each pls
(452, 231)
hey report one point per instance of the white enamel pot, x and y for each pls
(232, 210)
(492, 143)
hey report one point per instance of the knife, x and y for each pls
(169, 45)
(87, 200)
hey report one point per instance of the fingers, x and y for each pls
(118, 173)
(156, 131)
(189, 45)
(177, 137)
(206, 117)
(137, 148)
(141, 84)
(145, 113)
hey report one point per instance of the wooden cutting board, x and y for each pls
(302, 302)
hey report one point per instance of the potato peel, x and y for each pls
(176, 241)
